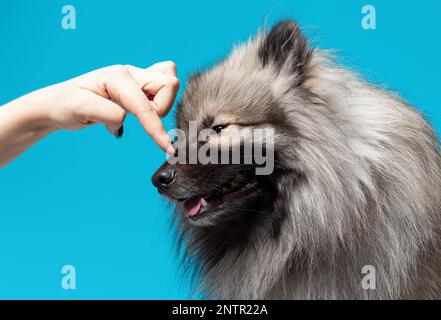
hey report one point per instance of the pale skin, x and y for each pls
(104, 96)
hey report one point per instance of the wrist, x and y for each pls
(32, 113)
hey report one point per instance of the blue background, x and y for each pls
(84, 198)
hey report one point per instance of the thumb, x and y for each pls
(102, 110)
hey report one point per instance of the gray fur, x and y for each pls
(358, 179)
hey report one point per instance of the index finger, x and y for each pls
(124, 88)
(151, 122)
(162, 86)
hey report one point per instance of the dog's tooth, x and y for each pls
(204, 202)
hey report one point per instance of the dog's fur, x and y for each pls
(357, 181)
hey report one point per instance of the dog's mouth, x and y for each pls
(214, 201)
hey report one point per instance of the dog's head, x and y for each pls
(237, 110)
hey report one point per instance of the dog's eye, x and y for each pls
(219, 128)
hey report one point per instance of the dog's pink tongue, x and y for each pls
(192, 207)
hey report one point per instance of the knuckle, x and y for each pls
(149, 110)
(146, 111)
(120, 69)
(170, 64)
(174, 82)
(120, 116)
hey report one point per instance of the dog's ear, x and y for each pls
(285, 48)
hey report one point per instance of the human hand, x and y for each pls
(106, 96)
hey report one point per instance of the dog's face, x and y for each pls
(226, 105)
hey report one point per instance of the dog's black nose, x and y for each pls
(162, 178)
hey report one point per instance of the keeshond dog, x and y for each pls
(355, 191)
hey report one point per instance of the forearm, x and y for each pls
(23, 122)
(102, 96)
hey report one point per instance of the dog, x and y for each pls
(355, 191)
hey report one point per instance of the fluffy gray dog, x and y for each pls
(356, 181)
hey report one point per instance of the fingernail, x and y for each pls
(119, 132)
(170, 150)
